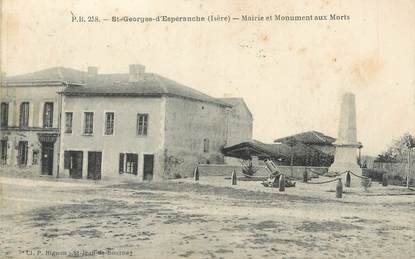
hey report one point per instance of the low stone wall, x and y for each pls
(226, 170)
(298, 171)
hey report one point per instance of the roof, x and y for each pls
(151, 85)
(112, 84)
(309, 137)
(61, 74)
(245, 150)
(235, 101)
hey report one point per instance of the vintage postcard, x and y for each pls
(207, 129)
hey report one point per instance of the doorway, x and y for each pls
(94, 165)
(148, 167)
(75, 167)
(47, 158)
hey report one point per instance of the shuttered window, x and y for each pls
(131, 163)
(89, 123)
(3, 151)
(142, 124)
(66, 160)
(128, 163)
(121, 163)
(68, 122)
(109, 123)
(48, 115)
(4, 114)
(23, 150)
(24, 114)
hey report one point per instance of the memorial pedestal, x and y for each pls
(345, 158)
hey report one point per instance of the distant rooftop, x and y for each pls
(309, 137)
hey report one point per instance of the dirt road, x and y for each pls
(41, 219)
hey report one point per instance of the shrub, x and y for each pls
(375, 175)
(177, 176)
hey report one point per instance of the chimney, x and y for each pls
(136, 73)
(92, 74)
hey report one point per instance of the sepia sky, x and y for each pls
(291, 74)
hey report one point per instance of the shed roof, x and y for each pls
(245, 150)
(309, 137)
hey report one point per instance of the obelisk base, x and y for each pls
(345, 159)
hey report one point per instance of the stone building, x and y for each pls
(142, 124)
(133, 124)
(30, 111)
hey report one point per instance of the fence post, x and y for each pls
(348, 180)
(234, 180)
(305, 176)
(384, 179)
(282, 183)
(409, 168)
(196, 174)
(339, 188)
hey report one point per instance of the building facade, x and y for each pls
(70, 123)
(140, 125)
(30, 114)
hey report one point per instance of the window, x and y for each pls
(130, 161)
(23, 148)
(4, 115)
(109, 123)
(205, 145)
(48, 115)
(3, 152)
(68, 122)
(35, 157)
(142, 124)
(24, 114)
(89, 123)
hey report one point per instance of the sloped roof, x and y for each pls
(309, 137)
(113, 84)
(150, 85)
(235, 101)
(51, 74)
(245, 149)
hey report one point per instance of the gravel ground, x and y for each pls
(210, 219)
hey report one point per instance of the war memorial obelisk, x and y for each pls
(345, 158)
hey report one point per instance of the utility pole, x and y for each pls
(292, 142)
(410, 143)
(409, 168)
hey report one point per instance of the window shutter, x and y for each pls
(121, 167)
(66, 160)
(135, 164)
(4, 114)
